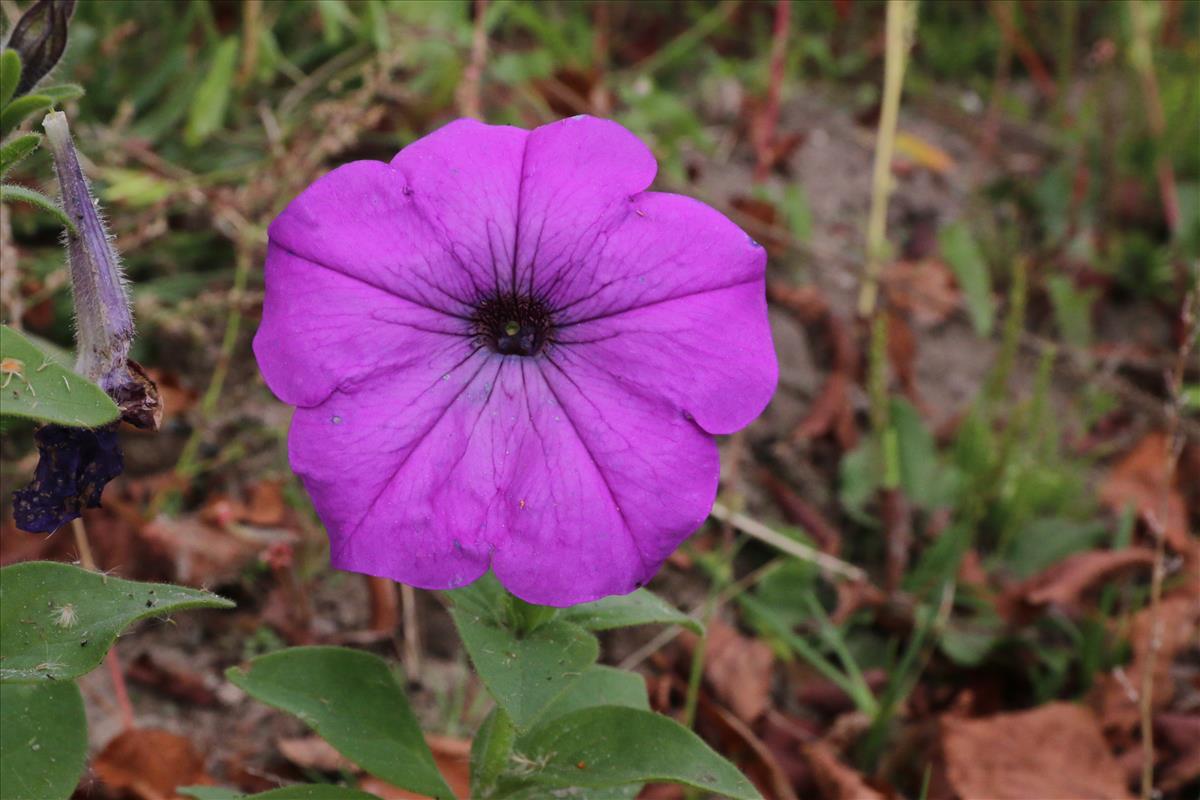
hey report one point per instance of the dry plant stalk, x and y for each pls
(1174, 379)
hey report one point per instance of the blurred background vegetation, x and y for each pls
(1042, 451)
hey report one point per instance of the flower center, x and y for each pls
(512, 325)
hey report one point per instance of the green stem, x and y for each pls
(527, 617)
(490, 752)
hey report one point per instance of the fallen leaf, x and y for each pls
(1064, 584)
(738, 669)
(313, 752)
(924, 289)
(1178, 734)
(1139, 480)
(172, 678)
(150, 764)
(923, 153)
(205, 554)
(1053, 751)
(757, 760)
(836, 780)
(767, 215)
(1115, 698)
(453, 758)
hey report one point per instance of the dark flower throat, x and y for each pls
(513, 325)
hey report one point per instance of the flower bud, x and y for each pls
(103, 320)
(40, 37)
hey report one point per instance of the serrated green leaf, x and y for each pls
(58, 621)
(10, 192)
(611, 746)
(971, 271)
(207, 111)
(36, 386)
(10, 75)
(43, 740)
(20, 147)
(641, 607)
(352, 700)
(525, 673)
(12, 114)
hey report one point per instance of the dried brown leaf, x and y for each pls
(1053, 751)
(150, 764)
(836, 780)
(1140, 480)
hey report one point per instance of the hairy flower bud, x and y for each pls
(40, 37)
(103, 320)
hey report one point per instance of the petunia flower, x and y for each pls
(505, 353)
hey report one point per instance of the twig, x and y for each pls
(1029, 57)
(765, 145)
(1142, 56)
(901, 24)
(412, 632)
(469, 90)
(88, 562)
(1174, 379)
(728, 593)
(753, 528)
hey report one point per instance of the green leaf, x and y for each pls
(623, 611)
(1072, 310)
(525, 674)
(209, 793)
(43, 740)
(924, 481)
(301, 791)
(207, 111)
(10, 75)
(963, 255)
(10, 192)
(36, 386)
(1046, 541)
(352, 700)
(609, 746)
(57, 621)
(16, 150)
(601, 686)
(12, 114)
(62, 92)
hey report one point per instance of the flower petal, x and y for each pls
(576, 184)
(428, 229)
(402, 485)
(605, 485)
(672, 302)
(322, 329)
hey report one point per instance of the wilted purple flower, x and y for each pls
(504, 352)
(74, 464)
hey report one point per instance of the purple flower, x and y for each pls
(504, 352)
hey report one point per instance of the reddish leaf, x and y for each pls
(1066, 583)
(1140, 480)
(737, 669)
(150, 764)
(1055, 750)
(923, 289)
(1116, 696)
(836, 780)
